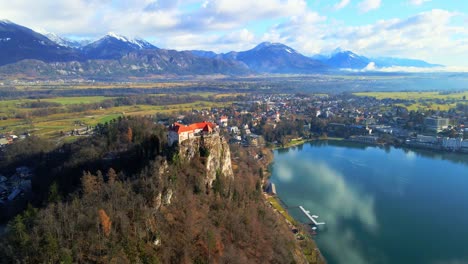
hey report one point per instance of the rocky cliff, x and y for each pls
(216, 154)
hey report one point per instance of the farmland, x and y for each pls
(61, 117)
(414, 101)
(415, 95)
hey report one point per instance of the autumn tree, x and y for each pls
(106, 223)
(89, 183)
(129, 134)
(111, 176)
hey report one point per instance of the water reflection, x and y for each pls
(335, 201)
(379, 206)
(426, 153)
(452, 261)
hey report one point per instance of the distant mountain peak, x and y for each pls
(341, 58)
(6, 21)
(268, 57)
(55, 38)
(275, 45)
(340, 50)
(336, 51)
(269, 44)
(117, 36)
(18, 43)
(141, 43)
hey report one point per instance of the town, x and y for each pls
(279, 120)
(282, 120)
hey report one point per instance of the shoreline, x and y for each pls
(277, 205)
(304, 141)
(276, 202)
(380, 145)
(304, 239)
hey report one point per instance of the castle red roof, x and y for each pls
(204, 126)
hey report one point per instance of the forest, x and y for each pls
(124, 196)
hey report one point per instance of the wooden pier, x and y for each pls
(311, 217)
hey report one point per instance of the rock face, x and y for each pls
(215, 150)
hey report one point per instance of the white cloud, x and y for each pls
(368, 5)
(243, 35)
(237, 40)
(58, 16)
(416, 69)
(371, 67)
(342, 4)
(430, 36)
(145, 16)
(218, 24)
(227, 14)
(418, 2)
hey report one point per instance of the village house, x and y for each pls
(223, 121)
(179, 132)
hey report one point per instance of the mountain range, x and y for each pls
(25, 51)
(345, 59)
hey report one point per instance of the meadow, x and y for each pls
(16, 119)
(415, 95)
(414, 101)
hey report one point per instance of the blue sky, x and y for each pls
(432, 30)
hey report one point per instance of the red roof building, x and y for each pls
(179, 132)
(223, 121)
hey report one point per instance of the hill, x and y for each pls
(124, 196)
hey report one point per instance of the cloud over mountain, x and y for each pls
(312, 27)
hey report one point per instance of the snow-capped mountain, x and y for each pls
(345, 59)
(66, 42)
(18, 43)
(141, 43)
(57, 39)
(127, 56)
(113, 46)
(276, 58)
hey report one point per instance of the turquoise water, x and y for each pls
(380, 205)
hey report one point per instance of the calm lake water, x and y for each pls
(380, 205)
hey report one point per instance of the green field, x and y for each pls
(428, 106)
(77, 100)
(414, 95)
(51, 125)
(61, 100)
(422, 100)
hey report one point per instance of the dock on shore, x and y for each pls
(311, 217)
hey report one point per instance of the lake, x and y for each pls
(380, 205)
